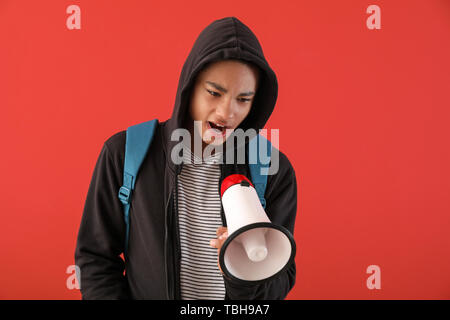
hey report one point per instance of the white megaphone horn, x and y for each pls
(255, 249)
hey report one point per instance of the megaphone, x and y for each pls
(256, 249)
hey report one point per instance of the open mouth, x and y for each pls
(217, 129)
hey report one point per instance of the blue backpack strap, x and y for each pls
(138, 140)
(259, 169)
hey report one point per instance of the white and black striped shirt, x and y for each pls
(199, 217)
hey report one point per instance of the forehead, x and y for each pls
(231, 72)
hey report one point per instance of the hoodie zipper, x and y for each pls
(166, 237)
(177, 245)
(174, 260)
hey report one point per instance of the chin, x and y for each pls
(214, 140)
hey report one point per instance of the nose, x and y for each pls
(225, 111)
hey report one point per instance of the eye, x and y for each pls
(244, 100)
(213, 93)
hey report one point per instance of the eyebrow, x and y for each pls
(220, 88)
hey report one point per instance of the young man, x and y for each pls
(176, 217)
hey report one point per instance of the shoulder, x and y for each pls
(112, 154)
(116, 142)
(284, 161)
(285, 166)
(282, 171)
(281, 192)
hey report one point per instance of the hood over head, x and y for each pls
(227, 38)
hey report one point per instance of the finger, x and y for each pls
(221, 240)
(224, 235)
(214, 243)
(217, 243)
(221, 230)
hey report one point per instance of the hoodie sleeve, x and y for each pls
(281, 207)
(101, 234)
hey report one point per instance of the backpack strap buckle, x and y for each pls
(124, 195)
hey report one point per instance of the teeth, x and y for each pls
(218, 125)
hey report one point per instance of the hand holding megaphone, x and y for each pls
(255, 249)
(222, 234)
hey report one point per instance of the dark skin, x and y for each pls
(223, 94)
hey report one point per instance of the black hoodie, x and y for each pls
(152, 263)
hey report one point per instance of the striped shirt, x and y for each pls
(199, 217)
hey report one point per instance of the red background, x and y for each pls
(363, 117)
